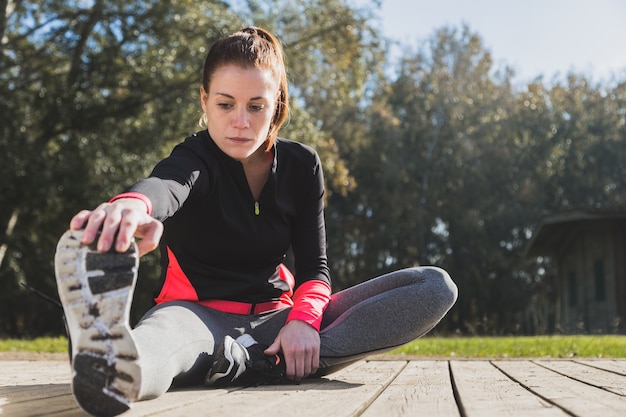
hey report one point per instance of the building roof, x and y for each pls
(557, 231)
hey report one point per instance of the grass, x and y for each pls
(601, 346)
(40, 344)
(461, 347)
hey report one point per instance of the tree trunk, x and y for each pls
(8, 233)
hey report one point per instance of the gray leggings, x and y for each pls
(176, 340)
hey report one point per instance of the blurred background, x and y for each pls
(484, 138)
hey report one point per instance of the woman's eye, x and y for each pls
(256, 107)
(224, 105)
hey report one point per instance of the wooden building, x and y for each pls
(589, 251)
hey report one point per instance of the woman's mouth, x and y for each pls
(239, 140)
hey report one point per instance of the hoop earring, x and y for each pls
(202, 122)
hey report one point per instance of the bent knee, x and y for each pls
(440, 285)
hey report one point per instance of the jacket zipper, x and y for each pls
(257, 209)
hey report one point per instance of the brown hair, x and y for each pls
(252, 47)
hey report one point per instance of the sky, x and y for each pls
(534, 37)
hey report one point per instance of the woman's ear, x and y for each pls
(203, 97)
(203, 102)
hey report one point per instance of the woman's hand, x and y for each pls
(119, 222)
(300, 344)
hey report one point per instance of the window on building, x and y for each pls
(599, 280)
(572, 288)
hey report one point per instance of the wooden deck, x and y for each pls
(381, 386)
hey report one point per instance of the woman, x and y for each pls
(224, 208)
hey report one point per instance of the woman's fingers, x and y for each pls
(150, 236)
(118, 224)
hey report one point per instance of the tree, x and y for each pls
(460, 167)
(88, 83)
(99, 91)
(585, 162)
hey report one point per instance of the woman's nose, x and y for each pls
(240, 120)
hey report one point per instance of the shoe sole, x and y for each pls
(96, 291)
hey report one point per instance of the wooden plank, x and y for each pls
(171, 402)
(617, 366)
(346, 394)
(590, 375)
(250, 401)
(575, 397)
(367, 389)
(210, 401)
(23, 372)
(358, 385)
(40, 406)
(422, 388)
(35, 388)
(207, 401)
(25, 393)
(483, 390)
(75, 412)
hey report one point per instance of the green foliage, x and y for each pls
(89, 84)
(99, 91)
(459, 167)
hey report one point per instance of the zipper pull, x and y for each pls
(257, 210)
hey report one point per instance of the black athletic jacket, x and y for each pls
(218, 242)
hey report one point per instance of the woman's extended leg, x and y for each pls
(176, 342)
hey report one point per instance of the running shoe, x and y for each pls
(235, 364)
(96, 291)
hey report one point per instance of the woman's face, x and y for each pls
(239, 107)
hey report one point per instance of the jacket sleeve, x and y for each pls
(309, 302)
(171, 182)
(309, 229)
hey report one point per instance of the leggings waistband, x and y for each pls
(236, 307)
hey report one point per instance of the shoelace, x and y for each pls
(42, 295)
(56, 303)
